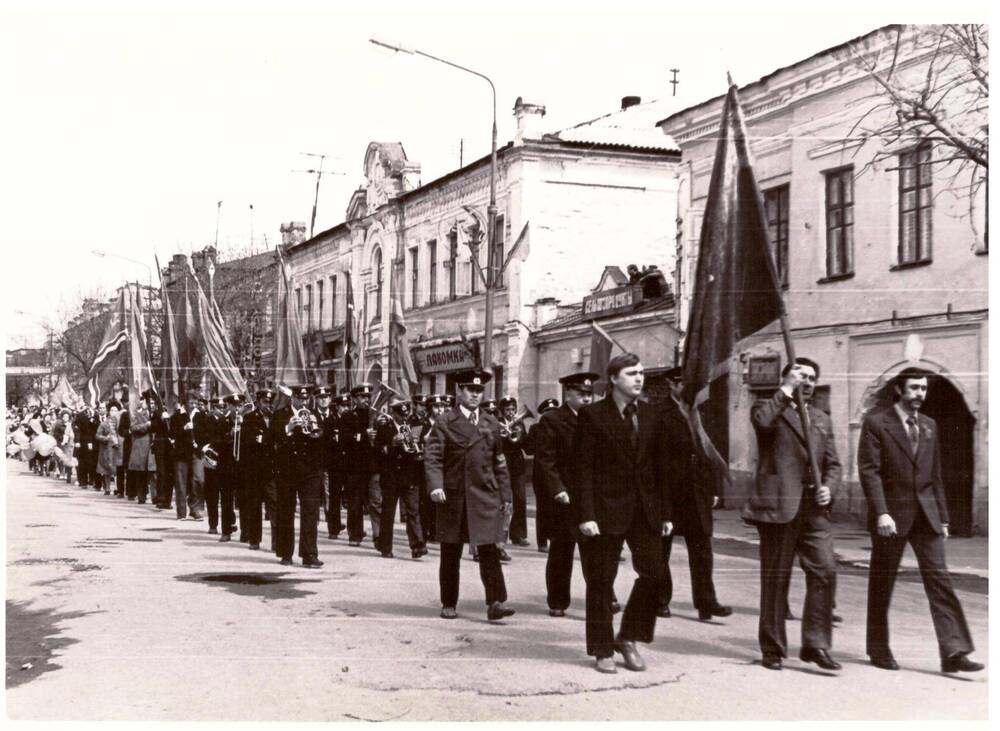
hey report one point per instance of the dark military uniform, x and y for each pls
(400, 480)
(332, 460)
(360, 475)
(299, 461)
(257, 465)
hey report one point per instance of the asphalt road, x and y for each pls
(117, 611)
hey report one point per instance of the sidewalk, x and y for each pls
(853, 545)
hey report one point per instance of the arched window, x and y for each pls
(377, 266)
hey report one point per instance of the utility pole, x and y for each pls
(674, 82)
(319, 173)
(218, 215)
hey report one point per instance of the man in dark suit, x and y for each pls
(299, 466)
(620, 495)
(330, 421)
(552, 441)
(694, 493)
(899, 464)
(791, 515)
(466, 476)
(257, 464)
(397, 446)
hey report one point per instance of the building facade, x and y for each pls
(602, 191)
(883, 259)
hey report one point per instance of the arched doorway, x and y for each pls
(956, 430)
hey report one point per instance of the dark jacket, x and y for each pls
(552, 443)
(359, 450)
(257, 448)
(297, 454)
(694, 482)
(782, 461)
(896, 481)
(613, 480)
(181, 440)
(467, 462)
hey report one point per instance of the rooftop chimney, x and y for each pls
(529, 118)
(293, 233)
(630, 101)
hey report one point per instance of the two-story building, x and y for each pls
(568, 202)
(883, 258)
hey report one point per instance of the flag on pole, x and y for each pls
(289, 354)
(169, 355)
(736, 291)
(115, 336)
(141, 370)
(601, 345)
(215, 342)
(64, 395)
(403, 373)
(352, 337)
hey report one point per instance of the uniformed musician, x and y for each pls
(323, 400)
(400, 454)
(212, 451)
(257, 464)
(335, 471)
(227, 474)
(542, 517)
(361, 474)
(299, 462)
(467, 478)
(513, 450)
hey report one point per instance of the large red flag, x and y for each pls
(141, 370)
(289, 354)
(736, 290)
(402, 373)
(215, 342)
(115, 337)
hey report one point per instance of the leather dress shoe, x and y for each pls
(354, 543)
(213, 532)
(960, 664)
(496, 611)
(312, 563)
(664, 611)
(557, 613)
(224, 539)
(820, 657)
(418, 552)
(543, 549)
(633, 660)
(883, 660)
(616, 607)
(836, 619)
(504, 556)
(771, 660)
(522, 542)
(387, 554)
(719, 610)
(333, 536)
(254, 546)
(286, 562)
(606, 665)
(448, 613)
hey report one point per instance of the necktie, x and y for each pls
(911, 430)
(474, 418)
(633, 427)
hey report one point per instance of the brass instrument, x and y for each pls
(210, 456)
(238, 429)
(507, 427)
(307, 421)
(411, 445)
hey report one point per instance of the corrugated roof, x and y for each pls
(651, 305)
(633, 127)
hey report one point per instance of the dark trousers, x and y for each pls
(559, 572)
(251, 522)
(699, 548)
(119, 480)
(164, 480)
(946, 611)
(308, 489)
(807, 535)
(519, 516)
(220, 489)
(599, 556)
(490, 573)
(137, 484)
(396, 489)
(361, 496)
(335, 498)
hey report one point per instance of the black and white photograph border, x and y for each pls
(567, 281)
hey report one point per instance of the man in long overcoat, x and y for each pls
(466, 476)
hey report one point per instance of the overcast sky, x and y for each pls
(123, 128)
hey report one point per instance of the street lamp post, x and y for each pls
(491, 209)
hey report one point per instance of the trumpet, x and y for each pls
(507, 427)
(411, 445)
(306, 421)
